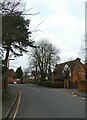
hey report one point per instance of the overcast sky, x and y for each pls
(63, 23)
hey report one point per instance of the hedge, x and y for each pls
(44, 83)
(57, 84)
(51, 84)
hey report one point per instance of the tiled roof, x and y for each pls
(11, 72)
(59, 67)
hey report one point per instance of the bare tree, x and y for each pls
(86, 55)
(86, 47)
(83, 52)
(44, 58)
(83, 49)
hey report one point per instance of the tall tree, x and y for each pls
(86, 55)
(15, 30)
(83, 52)
(19, 73)
(44, 58)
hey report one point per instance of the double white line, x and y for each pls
(18, 103)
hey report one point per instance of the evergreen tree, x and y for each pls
(15, 32)
(19, 73)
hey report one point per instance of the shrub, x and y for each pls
(51, 84)
(57, 84)
(44, 83)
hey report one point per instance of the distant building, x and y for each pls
(70, 72)
(12, 76)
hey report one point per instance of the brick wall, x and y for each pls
(78, 73)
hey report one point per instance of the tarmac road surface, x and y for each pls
(43, 102)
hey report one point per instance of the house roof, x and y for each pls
(59, 67)
(11, 72)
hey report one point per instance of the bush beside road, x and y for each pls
(51, 84)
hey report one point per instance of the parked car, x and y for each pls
(12, 80)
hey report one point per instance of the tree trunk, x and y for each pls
(5, 75)
(49, 74)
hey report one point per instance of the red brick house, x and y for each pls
(82, 85)
(85, 67)
(70, 72)
(11, 76)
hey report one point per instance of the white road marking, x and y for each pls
(83, 98)
(17, 105)
(74, 95)
(37, 90)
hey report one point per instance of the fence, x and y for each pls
(82, 86)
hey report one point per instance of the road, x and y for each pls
(43, 102)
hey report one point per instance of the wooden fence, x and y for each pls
(82, 86)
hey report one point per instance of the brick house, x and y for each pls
(85, 67)
(82, 85)
(70, 72)
(11, 76)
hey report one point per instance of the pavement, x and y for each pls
(76, 92)
(80, 93)
(9, 97)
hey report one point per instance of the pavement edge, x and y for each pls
(74, 93)
(12, 106)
